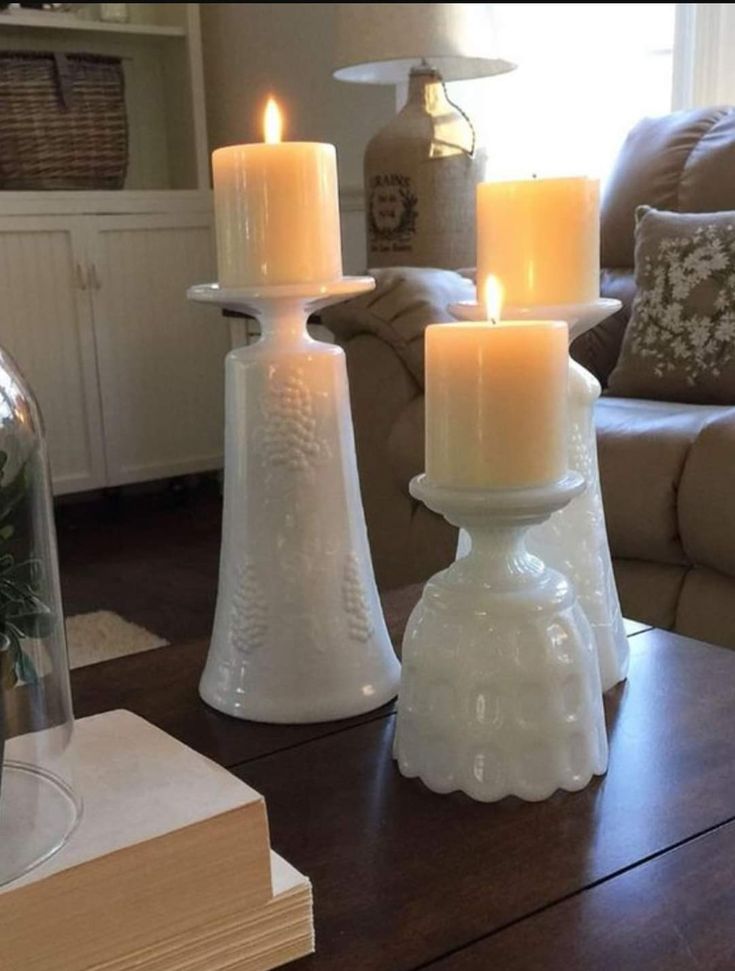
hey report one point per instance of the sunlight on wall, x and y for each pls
(586, 73)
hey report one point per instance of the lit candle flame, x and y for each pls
(272, 122)
(493, 298)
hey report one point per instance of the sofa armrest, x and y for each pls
(398, 311)
(705, 507)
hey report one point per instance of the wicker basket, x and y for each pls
(62, 121)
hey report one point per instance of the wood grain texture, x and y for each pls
(676, 913)
(162, 686)
(402, 876)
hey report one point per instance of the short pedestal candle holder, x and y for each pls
(574, 540)
(299, 634)
(500, 686)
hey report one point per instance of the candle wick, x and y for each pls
(493, 321)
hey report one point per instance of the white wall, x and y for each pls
(254, 49)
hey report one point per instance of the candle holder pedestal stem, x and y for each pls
(299, 634)
(500, 687)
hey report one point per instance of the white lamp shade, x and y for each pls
(379, 43)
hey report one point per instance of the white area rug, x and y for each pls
(102, 635)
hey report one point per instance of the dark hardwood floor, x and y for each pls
(151, 557)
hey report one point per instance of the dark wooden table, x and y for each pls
(635, 872)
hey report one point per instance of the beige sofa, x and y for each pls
(668, 470)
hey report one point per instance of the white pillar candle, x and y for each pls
(496, 403)
(277, 211)
(541, 239)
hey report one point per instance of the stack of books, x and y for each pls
(170, 868)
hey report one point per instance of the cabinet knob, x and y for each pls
(81, 277)
(94, 278)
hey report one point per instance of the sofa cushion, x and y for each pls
(706, 607)
(680, 342)
(643, 448)
(650, 592)
(708, 178)
(684, 161)
(707, 497)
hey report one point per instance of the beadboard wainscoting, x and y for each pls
(127, 373)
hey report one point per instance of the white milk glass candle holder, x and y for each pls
(299, 634)
(500, 686)
(574, 539)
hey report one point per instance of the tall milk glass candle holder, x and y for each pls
(39, 807)
(574, 538)
(500, 687)
(541, 239)
(299, 634)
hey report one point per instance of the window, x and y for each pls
(586, 74)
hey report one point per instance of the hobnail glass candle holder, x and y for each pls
(500, 686)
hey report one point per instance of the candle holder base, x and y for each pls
(299, 634)
(500, 687)
(574, 539)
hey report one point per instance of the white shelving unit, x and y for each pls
(92, 283)
(44, 20)
(164, 82)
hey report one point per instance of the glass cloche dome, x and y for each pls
(39, 808)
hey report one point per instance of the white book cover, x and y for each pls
(136, 783)
(141, 788)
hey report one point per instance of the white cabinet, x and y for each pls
(128, 373)
(160, 357)
(46, 324)
(93, 284)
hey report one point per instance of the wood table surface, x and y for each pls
(635, 872)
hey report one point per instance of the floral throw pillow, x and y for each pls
(680, 342)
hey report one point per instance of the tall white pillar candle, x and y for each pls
(541, 239)
(277, 211)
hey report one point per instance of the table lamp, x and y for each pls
(421, 169)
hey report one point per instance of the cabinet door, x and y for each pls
(160, 357)
(46, 324)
